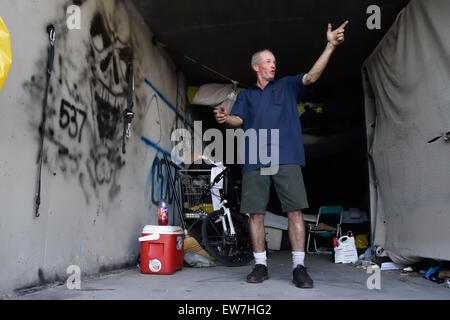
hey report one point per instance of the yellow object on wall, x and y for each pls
(5, 52)
(191, 92)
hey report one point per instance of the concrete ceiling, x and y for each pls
(224, 34)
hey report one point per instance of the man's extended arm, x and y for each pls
(234, 121)
(334, 38)
(222, 116)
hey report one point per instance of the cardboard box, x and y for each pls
(273, 238)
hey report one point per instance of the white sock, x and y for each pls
(298, 258)
(260, 258)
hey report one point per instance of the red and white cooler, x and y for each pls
(162, 249)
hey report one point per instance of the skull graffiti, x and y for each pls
(111, 51)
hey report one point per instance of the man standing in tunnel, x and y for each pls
(271, 104)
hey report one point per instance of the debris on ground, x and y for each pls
(438, 272)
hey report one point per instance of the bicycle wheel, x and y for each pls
(232, 251)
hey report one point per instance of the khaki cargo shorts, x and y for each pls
(288, 183)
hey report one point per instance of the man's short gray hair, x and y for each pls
(256, 56)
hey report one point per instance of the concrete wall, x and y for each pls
(95, 200)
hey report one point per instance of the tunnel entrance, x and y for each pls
(213, 44)
(336, 171)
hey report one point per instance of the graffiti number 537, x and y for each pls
(68, 118)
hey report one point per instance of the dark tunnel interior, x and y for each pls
(224, 35)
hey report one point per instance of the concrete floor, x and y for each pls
(332, 281)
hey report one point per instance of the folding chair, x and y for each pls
(328, 225)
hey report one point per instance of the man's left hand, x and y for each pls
(336, 37)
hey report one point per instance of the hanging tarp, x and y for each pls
(216, 94)
(407, 104)
(5, 52)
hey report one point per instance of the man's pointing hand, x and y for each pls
(336, 37)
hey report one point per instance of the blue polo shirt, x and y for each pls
(275, 107)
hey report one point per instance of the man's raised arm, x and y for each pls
(334, 38)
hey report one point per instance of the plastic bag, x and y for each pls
(197, 261)
(346, 252)
(5, 52)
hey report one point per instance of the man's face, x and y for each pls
(266, 66)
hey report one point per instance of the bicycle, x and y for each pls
(224, 233)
